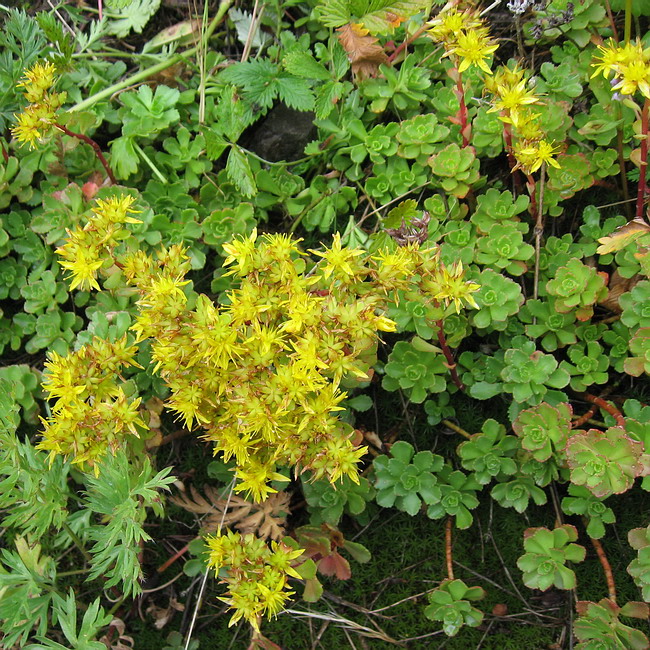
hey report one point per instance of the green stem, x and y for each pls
(643, 164)
(154, 69)
(149, 162)
(628, 21)
(77, 542)
(76, 572)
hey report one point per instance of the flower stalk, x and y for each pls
(643, 164)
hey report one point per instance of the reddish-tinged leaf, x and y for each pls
(335, 565)
(363, 51)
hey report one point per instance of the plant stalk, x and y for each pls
(456, 428)
(607, 569)
(606, 406)
(539, 228)
(77, 542)
(462, 112)
(628, 21)
(451, 363)
(154, 69)
(643, 164)
(406, 42)
(448, 551)
(94, 145)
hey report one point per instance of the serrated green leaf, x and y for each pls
(124, 159)
(303, 64)
(239, 172)
(295, 93)
(133, 17)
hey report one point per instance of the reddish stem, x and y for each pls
(512, 161)
(5, 155)
(451, 363)
(583, 418)
(94, 145)
(448, 553)
(172, 559)
(607, 569)
(462, 112)
(404, 44)
(643, 164)
(606, 406)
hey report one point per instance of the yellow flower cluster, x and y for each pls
(628, 65)
(464, 37)
(264, 375)
(256, 575)
(514, 101)
(91, 414)
(38, 118)
(88, 248)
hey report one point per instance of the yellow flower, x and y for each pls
(241, 251)
(254, 479)
(633, 76)
(38, 80)
(83, 268)
(473, 47)
(116, 209)
(449, 286)
(33, 124)
(532, 155)
(511, 99)
(447, 24)
(629, 64)
(339, 260)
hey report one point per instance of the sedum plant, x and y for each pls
(279, 322)
(256, 575)
(383, 102)
(605, 463)
(458, 497)
(547, 552)
(598, 625)
(544, 429)
(581, 501)
(577, 287)
(406, 479)
(451, 604)
(417, 372)
(328, 502)
(489, 454)
(639, 568)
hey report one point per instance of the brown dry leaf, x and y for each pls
(123, 642)
(266, 520)
(363, 51)
(622, 236)
(618, 285)
(163, 615)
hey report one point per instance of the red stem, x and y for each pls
(462, 112)
(583, 418)
(607, 569)
(172, 559)
(451, 363)
(448, 552)
(512, 161)
(406, 43)
(606, 406)
(644, 160)
(96, 149)
(5, 155)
